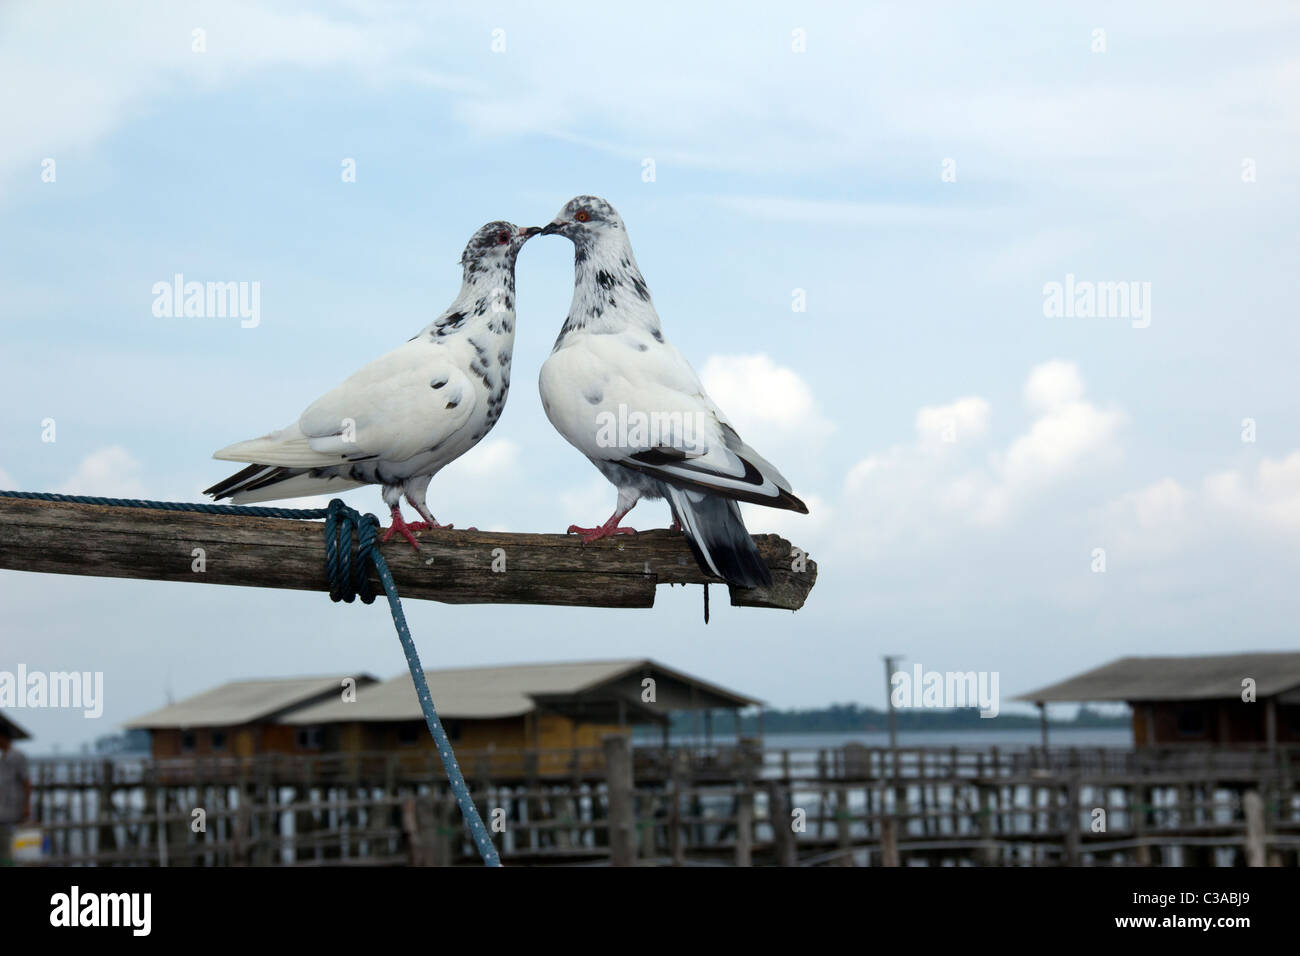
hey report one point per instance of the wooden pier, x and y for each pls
(735, 805)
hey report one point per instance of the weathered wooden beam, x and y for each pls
(456, 567)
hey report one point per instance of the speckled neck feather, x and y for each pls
(487, 280)
(609, 293)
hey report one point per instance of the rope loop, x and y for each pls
(348, 581)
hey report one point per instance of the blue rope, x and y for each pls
(473, 822)
(197, 507)
(347, 582)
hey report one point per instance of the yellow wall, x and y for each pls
(489, 747)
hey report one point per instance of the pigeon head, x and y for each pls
(584, 217)
(495, 245)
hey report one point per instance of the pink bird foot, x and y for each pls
(606, 530)
(399, 526)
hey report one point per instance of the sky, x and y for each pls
(851, 218)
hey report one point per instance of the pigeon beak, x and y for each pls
(552, 228)
(527, 232)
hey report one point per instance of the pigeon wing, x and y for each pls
(396, 407)
(634, 400)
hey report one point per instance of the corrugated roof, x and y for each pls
(485, 692)
(469, 692)
(241, 701)
(1177, 678)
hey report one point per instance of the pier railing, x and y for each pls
(738, 803)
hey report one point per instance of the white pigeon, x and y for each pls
(406, 415)
(621, 394)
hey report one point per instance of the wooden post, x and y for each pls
(823, 799)
(533, 804)
(415, 837)
(843, 825)
(783, 838)
(889, 842)
(178, 832)
(889, 702)
(1253, 807)
(105, 837)
(1073, 834)
(243, 824)
(622, 800)
(304, 821)
(679, 781)
(160, 812)
(446, 818)
(988, 853)
(451, 566)
(745, 825)
(1139, 799)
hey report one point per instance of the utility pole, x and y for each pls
(891, 827)
(890, 662)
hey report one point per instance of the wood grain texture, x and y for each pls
(456, 567)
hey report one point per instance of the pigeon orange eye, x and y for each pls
(582, 215)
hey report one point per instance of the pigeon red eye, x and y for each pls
(503, 238)
(582, 215)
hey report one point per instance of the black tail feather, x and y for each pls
(250, 479)
(718, 537)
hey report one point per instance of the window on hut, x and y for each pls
(1291, 719)
(1192, 720)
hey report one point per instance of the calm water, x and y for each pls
(1012, 739)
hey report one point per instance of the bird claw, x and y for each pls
(405, 531)
(589, 535)
(399, 526)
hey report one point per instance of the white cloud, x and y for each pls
(940, 486)
(1270, 498)
(1052, 385)
(1192, 527)
(770, 405)
(1160, 505)
(964, 420)
(728, 94)
(107, 473)
(1059, 441)
(93, 67)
